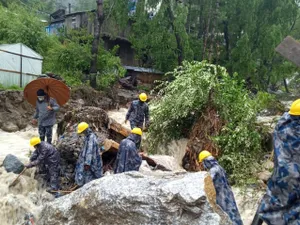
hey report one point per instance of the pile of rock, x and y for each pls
(15, 112)
(70, 143)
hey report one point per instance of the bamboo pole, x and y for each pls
(13, 183)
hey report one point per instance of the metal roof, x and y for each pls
(142, 69)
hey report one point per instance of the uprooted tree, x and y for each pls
(215, 111)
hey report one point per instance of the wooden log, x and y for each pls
(15, 181)
(117, 127)
(110, 144)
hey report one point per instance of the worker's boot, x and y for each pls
(57, 195)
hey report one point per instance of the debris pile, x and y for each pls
(208, 125)
(70, 143)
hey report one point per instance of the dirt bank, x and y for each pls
(16, 113)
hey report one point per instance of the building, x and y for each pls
(19, 65)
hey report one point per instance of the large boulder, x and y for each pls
(12, 164)
(133, 198)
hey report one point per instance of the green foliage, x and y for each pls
(238, 34)
(74, 54)
(109, 67)
(12, 87)
(184, 99)
(239, 140)
(155, 39)
(73, 78)
(265, 100)
(19, 25)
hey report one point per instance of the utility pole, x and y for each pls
(95, 45)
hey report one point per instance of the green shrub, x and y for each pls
(110, 68)
(182, 101)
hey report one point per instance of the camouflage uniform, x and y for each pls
(137, 113)
(89, 156)
(225, 197)
(281, 204)
(46, 118)
(48, 157)
(128, 158)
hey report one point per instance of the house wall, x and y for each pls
(126, 52)
(8, 78)
(80, 20)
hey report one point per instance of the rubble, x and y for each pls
(15, 111)
(70, 144)
(208, 125)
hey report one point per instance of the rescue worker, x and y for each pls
(45, 114)
(225, 198)
(138, 112)
(281, 203)
(47, 156)
(128, 158)
(89, 164)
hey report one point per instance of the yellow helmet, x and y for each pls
(35, 141)
(137, 131)
(295, 108)
(203, 155)
(82, 127)
(143, 97)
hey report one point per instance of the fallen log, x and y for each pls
(117, 127)
(111, 144)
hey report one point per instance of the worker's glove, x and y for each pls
(34, 122)
(102, 149)
(29, 166)
(86, 167)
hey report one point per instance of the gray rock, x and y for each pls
(12, 164)
(264, 176)
(10, 127)
(133, 198)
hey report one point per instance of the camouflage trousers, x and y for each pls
(134, 124)
(46, 131)
(49, 175)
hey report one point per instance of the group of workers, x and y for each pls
(280, 205)
(89, 163)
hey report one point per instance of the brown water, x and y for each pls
(26, 196)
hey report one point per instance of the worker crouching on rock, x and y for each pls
(89, 164)
(45, 155)
(128, 158)
(225, 198)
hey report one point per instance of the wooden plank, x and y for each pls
(110, 145)
(114, 125)
(289, 48)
